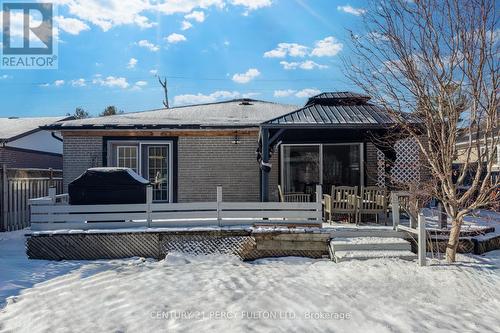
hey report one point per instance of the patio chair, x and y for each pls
(342, 200)
(293, 196)
(373, 201)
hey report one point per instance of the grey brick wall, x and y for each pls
(371, 171)
(79, 154)
(205, 162)
(202, 164)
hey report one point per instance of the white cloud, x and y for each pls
(185, 25)
(251, 74)
(58, 83)
(327, 47)
(197, 16)
(201, 98)
(132, 63)
(252, 4)
(290, 49)
(351, 10)
(78, 83)
(308, 92)
(141, 83)
(5, 77)
(153, 71)
(111, 13)
(111, 81)
(284, 93)
(306, 65)
(148, 45)
(175, 38)
(71, 25)
(186, 6)
(107, 14)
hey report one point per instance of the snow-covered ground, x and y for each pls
(217, 293)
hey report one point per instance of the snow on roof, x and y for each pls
(14, 126)
(233, 113)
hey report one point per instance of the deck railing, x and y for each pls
(397, 198)
(54, 213)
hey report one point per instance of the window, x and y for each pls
(151, 159)
(305, 166)
(126, 157)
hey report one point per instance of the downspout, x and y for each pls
(53, 134)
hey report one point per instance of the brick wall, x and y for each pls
(80, 153)
(15, 158)
(371, 172)
(205, 162)
(202, 164)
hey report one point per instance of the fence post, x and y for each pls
(395, 210)
(319, 207)
(149, 201)
(219, 200)
(52, 194)
(422, 241)
(5, 199)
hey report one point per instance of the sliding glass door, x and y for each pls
(304, 166)
(300, 168)
(341, 165)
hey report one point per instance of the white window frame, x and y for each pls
(139, 144)
(321, 145)
(129, 147)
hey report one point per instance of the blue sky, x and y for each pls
(110, 51)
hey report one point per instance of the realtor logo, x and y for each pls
(28, 36)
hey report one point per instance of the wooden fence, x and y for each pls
(398, 200)
(53, 213)
(16, 192)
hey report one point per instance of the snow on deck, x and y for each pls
(219, 293)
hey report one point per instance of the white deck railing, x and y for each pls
(418, 229)
(54, 213)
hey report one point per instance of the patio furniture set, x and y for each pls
(346, 201)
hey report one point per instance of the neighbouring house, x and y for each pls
(187, 151)
(23, 144)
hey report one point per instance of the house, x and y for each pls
(24, 145)
(187, 151)
(464, 155)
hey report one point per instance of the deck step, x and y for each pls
(383, 233)
(340, 256)
(370, 244)
(369, 247)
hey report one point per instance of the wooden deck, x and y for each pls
(246, 243)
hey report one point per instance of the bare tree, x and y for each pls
(435, 63)
(165, 90)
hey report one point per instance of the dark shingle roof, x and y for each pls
(335, 109)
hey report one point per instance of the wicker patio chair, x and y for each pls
(293, 196)
(341, 200)
(373, 200)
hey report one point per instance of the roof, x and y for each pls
(335, 110)
(13, 127)
(231, 114)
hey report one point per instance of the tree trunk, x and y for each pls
(451, 248)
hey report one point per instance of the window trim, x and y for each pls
(136, 154)
(112, 145)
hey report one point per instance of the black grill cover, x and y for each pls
(101, 186)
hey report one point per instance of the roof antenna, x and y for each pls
(165, 89)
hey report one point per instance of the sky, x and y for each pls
(110, 52)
